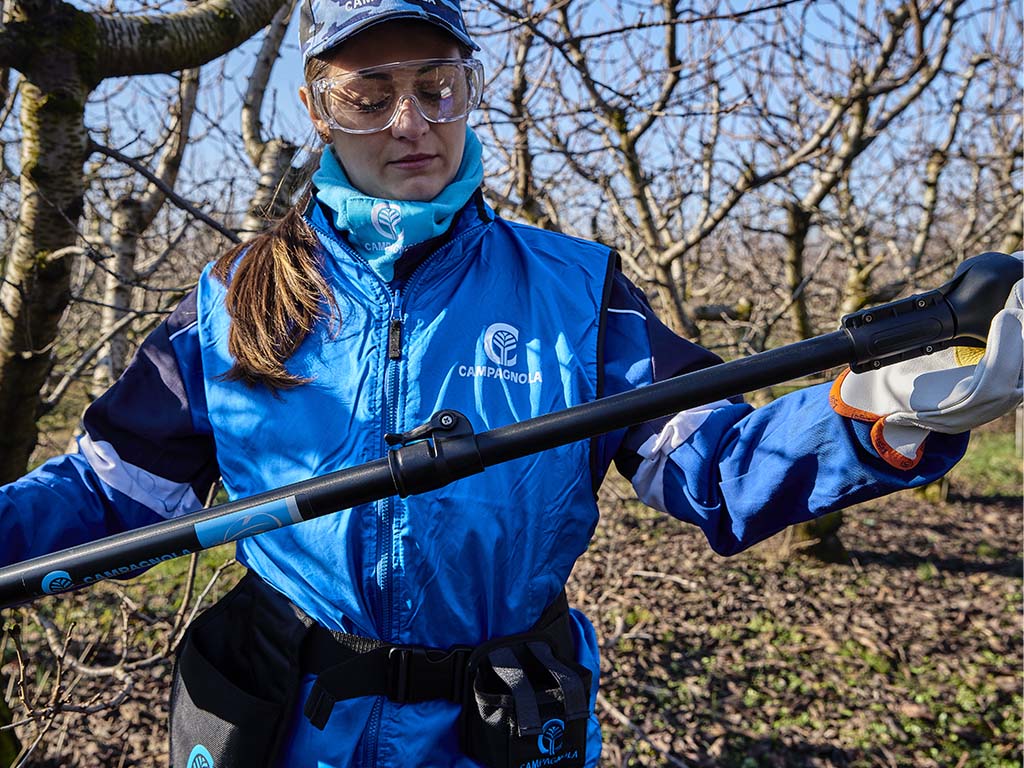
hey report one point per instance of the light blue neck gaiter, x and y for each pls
(380, 230)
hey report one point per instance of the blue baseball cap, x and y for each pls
(323, 24)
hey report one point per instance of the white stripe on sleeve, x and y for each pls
(649, 480)
(165, 497)
(628, 312)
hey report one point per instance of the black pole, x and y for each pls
(446, 449)
(664, 398)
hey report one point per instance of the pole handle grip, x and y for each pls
(978, 291)
(957, 313)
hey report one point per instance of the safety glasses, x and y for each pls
(368, 100)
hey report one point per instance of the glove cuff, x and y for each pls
(840, 406)
(898, 446)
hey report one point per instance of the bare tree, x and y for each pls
(761, 171)
(272, 158)
(64, 53)
(679, 129)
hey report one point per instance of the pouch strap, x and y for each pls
(510, 670)
(349, 666)
(577, 703)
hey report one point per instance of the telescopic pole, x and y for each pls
(446, 448)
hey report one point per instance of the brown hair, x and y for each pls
(276, 294)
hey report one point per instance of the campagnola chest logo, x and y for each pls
(387, 220)
(501, 347)
(500, 342)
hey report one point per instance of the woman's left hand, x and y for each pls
(951, 391)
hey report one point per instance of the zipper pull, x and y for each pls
(395, 339)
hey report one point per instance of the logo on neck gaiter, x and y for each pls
(387, 220)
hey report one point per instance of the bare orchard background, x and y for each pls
(761, 167)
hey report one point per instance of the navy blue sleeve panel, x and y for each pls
(155, 415)
(639, 350)
(147, 454)
(746, 474)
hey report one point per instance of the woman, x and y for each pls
(430, 630)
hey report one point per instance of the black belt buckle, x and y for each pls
(415, 673)
(398, 672)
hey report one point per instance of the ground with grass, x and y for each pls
(910, 655)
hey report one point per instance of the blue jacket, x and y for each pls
(503, 322)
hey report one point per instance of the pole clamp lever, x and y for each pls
(442, 422)
(433, 454)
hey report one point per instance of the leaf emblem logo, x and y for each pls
(500, 343)
(57, 581)
(387, 220)
(200, 757)
(550, 739)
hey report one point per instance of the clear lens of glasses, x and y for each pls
(367, 101)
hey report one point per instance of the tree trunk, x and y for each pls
(799, 221)
(63, 54)
(36, 285)
(673, 304)
(273, 195)
(818, 538)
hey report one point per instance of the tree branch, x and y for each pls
(252, 106)
(143, 45)
(173, 196)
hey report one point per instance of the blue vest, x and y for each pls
(503, 324)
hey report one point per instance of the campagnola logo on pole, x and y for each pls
(61, 581)
(57, 581)
(501, 346)
(248, 522)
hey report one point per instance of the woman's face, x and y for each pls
(412, 159)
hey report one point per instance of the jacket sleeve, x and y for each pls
(146, 454)
(741, 474)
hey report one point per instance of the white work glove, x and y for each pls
(951, 391)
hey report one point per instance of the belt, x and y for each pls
(349, 666)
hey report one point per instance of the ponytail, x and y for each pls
(276, 295)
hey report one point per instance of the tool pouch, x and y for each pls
(525, 706)
(236, 679)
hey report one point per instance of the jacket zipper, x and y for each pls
(386, 520)
(392, 387)
(395, 339)
(384, 524)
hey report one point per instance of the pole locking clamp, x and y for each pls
(433, 454)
